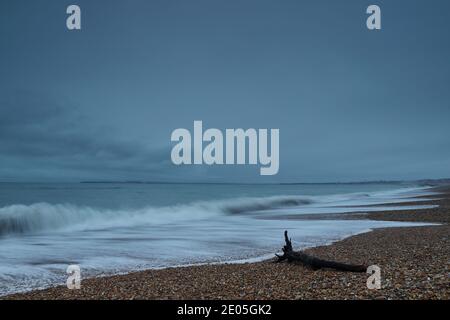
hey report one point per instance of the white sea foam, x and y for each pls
(45, 217)
(39, 240)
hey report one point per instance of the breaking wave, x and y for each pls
(39, 217)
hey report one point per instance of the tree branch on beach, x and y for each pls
(315, 263)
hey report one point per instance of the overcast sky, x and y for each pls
(101, 103)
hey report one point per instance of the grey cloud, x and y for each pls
(36, 132)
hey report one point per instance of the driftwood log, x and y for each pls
(298, 256)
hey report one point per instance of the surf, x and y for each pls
(38, 218)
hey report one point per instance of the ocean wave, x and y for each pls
(45, 217)
(252, 205)
(34, 218)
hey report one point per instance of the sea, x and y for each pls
(116, 228)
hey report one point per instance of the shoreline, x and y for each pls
(396, 250)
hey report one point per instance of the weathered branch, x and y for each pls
(315, 263)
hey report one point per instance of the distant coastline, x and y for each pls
(431, 182)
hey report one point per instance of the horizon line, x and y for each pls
(425, 180)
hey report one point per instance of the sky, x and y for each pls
(101, 103)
